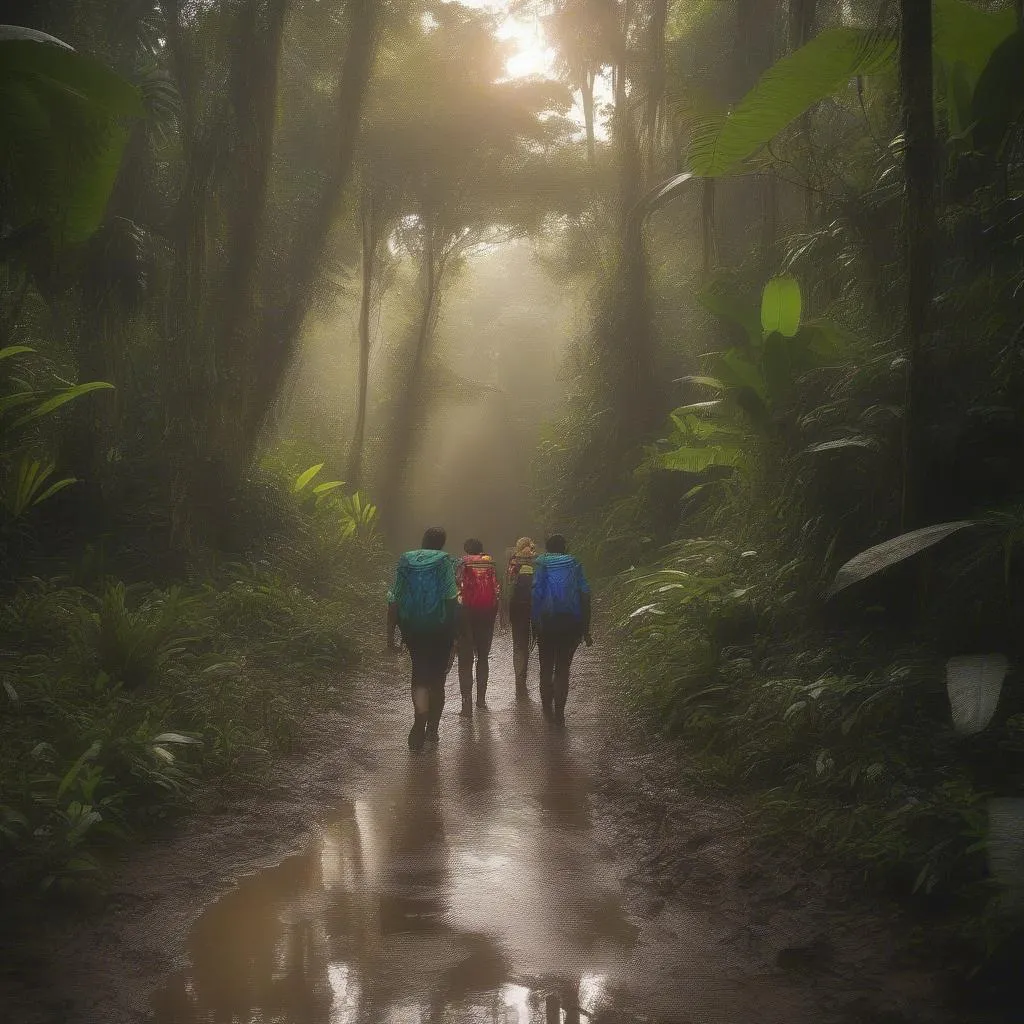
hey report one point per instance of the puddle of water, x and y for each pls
(464, 886)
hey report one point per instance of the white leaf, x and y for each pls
(647, 609)
(889, 552)
(174, 737)
(974, 683)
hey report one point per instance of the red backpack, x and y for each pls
(478, 583)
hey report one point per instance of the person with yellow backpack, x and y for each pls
(479, 598)
(516, 609)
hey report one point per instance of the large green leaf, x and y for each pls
(696, 459)
(735, 370)
(725, 300)
(305, 476)
(781, 305)
(889, 552)
(63, 128)
(964, 33)
(998, 100)
(62, 397)
(784, 92)
(10, 351)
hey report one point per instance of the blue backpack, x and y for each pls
(557, 583)
(423, 586)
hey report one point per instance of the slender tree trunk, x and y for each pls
(770, 219)
(655, 83)
(916, 101)
(707, 220)
(409, 407)
(369, 232)
(587, 94)
(277, 338)
(803, 16)
(630, 355)
(253, 97)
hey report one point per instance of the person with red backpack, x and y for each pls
(422, 605)
(479, 597)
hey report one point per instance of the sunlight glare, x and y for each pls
(516, 999)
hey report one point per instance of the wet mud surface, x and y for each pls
(513, 873)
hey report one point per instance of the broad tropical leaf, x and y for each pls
(784, 92)
(966, 34)
(974, 683)
(727, 302)
(781, 305)
(14, 350)
(62, 133)
(62, 397)
(305, 476)
(889, 552)
(698, 459)
(327, 487)
(998, 100)
(32, 34)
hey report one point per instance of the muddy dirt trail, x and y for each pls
(515, 873)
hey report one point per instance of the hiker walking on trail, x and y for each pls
(518, 588)
(422, 604)
(561, 620)
(479, 597)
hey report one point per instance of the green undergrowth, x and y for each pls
(837, 739)
(121, 699)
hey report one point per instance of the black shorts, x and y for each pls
(430, 653)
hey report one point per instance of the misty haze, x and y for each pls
(511, 511)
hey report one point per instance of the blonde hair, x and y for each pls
(525, 548)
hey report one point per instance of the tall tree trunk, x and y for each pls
(253, 98)
(369, 232)
(803, 15)
(655, 83)
(915, 61)
(280, 329)
(587, 94)
(769, 219)
(631, 373)
(707, 220)
(409, 405)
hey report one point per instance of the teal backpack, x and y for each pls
(422, 588)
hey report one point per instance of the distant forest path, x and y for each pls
(516, 873)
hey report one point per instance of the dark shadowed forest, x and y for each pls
(730, 293)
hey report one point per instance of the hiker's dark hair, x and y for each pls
(555, 544)
(435, 538)
(473, 547)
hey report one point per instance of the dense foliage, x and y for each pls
(791, 431)
(834, 260)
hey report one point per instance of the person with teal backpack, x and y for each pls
(560, 609)
(422, 605)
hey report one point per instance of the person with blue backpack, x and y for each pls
(560, 609)
(422, 605)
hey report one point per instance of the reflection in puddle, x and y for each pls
(440, 897)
